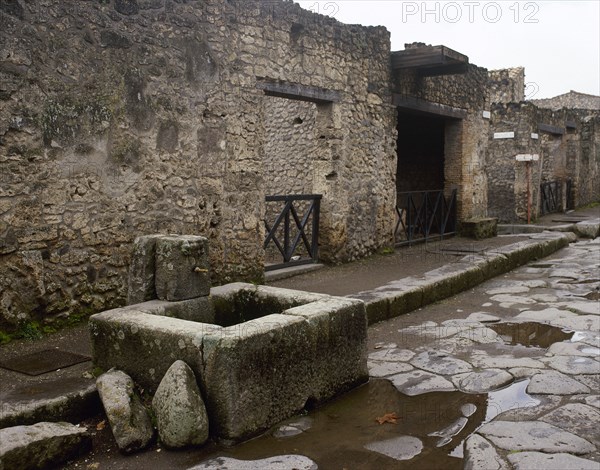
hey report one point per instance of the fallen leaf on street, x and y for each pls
(100, 425)
(388, 418)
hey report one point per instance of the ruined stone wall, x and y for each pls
(466, 140)
(121, 118)
(570, 100)
(573, 155)
(507, 85)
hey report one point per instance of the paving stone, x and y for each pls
(565, 348)
(593, 400)
(577, 418)
(179, 408)
(545, 315)
(483, 317)
(547, 298)
(545, 403)
(509, 289)
(484, 381)
(398, 448)
(41, 445)
(591, 307)
(539, 460)
(432, 331)
(554, 383)
(418, 382)
(384, 368)
(507, 300)
(504, 362)
(590, 338)
(129, 420)
(481, 335)
(402, 355)
(534, 435)
(573, 364)
(578, 322)
(280, 462)
(481, 455)
(440, 363)
(591, 380)
(524, 372)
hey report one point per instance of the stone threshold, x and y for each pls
(292, 271)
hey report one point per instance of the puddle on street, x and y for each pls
(429, 432)
(530, 334)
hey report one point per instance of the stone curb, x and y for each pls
(71, 407)
(408, 294)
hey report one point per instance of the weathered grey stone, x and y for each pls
(532, 409)
(129, 420)
(302, 343)
(320, 345)
(591, 380)
(384, 368)
(41, 445)
(545, 315)
(483, 317)
(505, 361)
(280, 462)
(481, 455)
(593, 400)
(418, 382)
(534, 435)
(578, 322)
(392, 354)
(78, 401)
(573, 364)
(468, 409)
(484, 381)
(481, 335)
(440, 363)
(398, 448)
(182, 267)
(588, 228)
(591, 307)
(573, 349)
(181, 416)
(577, 418)
(145, 345)
(539, 460)
(140, 285)
(524, 372)
(554, 383)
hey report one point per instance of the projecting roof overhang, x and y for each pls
(430, 60)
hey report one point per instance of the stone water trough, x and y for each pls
(260, 354)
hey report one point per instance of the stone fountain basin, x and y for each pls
(260, 354)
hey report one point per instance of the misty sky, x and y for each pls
(558, 42)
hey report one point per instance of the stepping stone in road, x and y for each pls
(554, 383)
(538, 460)
(534, 435)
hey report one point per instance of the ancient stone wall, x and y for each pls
(127, 117)
(568, 153)
(507, 85)
(570, 100)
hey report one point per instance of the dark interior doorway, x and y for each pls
(420, 149)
